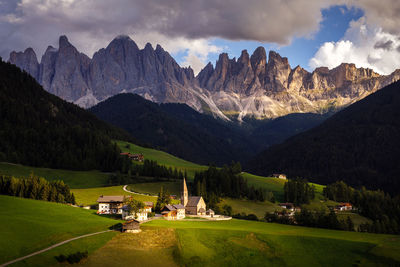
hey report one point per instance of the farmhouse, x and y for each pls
(288, 206)
(173, 212)
(148, 206)
(279, 175)
(110, 204)
(140, 216)
(194, 205)
(135, 157)
(344, 207)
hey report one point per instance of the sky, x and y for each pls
(310, 33)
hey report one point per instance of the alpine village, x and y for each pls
(199, 133)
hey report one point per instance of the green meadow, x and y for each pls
(75, 179)
(247, 243)
(88, 196)
(174, 188)
(28, 225)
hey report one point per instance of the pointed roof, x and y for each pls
(193, 201)
(184, 185)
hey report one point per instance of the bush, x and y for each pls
(72, 258)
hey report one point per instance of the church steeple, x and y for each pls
(184, 193)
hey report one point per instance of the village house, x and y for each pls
(173, 212)
(194, 205)
(110, 204)
(279, 175)
(288, 206)
(132, 226)
(210, 213)
(135, 157)
(140, 216)
(148, 206)
(344, 207)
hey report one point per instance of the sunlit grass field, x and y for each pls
(75, 179)
(247, 243)
(28, 225)
(89, 196)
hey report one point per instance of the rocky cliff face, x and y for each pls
(249, 86)
(268, 89)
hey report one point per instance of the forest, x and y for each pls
(359, 145)
(380, 207)
(215, 183)
(35, 187)
(40, 129)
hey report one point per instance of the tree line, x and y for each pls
(298, 191)
(380, 207)
(311, 218)
(35, 187)
(133, 173)
(214, 183)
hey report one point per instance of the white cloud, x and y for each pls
(365, 45)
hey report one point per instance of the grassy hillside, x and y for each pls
(246, 243)
(162, 158)
(29, 225)
(88, 196)
(75, 179)
(174, 188)
(270, 184)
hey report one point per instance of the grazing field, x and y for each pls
(151, 247)
(162, 158)
(28, 225)
(75, 179)
(249, 207)
(274, 185)
(246, 243)
(89, 244)
(174, 188)
(89, 196)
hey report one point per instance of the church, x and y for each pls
(194, 205)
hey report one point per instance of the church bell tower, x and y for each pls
(184, 193)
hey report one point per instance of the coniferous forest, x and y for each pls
(40, 129)
(35, 187)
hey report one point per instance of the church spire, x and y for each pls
(184, 193)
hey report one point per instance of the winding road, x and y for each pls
(126, 190)
(51, 247)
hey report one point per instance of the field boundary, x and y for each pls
(51, 247)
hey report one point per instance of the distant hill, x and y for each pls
(186, 133)
(174, 128)
(40, 129)
(360, 145)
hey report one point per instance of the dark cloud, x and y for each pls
(386, 45)
(36, 22)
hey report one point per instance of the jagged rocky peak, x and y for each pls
(258, 61)
(244, 58)
(27, 61)
(63, 42)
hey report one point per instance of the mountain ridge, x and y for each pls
(359, 144)
(250, 86)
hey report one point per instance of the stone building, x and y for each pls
(194, 205)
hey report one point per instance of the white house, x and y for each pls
(110, 204)
(139, 216)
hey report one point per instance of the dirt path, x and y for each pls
(51, 247)
(126, 190)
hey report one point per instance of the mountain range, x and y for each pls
(250, 86)
(359, 145)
